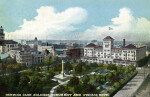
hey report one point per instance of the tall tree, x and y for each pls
(74, 81)
(78, 68)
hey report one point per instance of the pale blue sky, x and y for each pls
(100, 12)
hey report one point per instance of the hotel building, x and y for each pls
(126, 55)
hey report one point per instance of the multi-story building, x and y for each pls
(33, 44)
(25, 57)
(107, 53)
(37, 57)
(6, 45)
(75, 53)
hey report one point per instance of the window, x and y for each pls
(107, 46)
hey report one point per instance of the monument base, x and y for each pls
(60, 76)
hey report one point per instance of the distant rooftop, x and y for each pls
(3, 42)
(93, 45)
(3, 56)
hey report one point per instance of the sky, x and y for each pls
(76, 19)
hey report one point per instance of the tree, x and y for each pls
(78, 68)
(23, 84)
(60, 89)
(68, 66)
(74, 81)
(112, 67)
(85, 88)
(9, 60)
(36, 85)
(100, 79)
(94, 64)
(3, 87)
(3, 68)
(9, 68)
(86, 79)
(112, 77)
(0, 60)
(13, 82)
(143, 61)
(117, 76)
(50, 75)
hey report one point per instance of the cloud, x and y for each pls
(124, 26)
(48, 24)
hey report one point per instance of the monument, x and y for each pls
(62, 68)
(62, 74)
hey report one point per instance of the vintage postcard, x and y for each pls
(75, 48)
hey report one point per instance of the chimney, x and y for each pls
(124, 42)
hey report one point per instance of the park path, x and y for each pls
(53, 89)
(131, 87)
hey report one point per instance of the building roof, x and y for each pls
(108, 37)
(131, 46)
(75, 48)
(91, 45)
(59, 50)
(3, 42)
(3, 56)
(98, 46)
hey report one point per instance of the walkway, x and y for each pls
(130, 88)
(53, 89)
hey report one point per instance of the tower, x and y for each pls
(35, 44)
(2, 35)
(107, 46)
(108, 43)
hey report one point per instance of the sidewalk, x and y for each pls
(130, 88)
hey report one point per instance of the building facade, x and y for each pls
(26, 58)
(75, 53)
(107, 53)
(6, 45)
(33, 44)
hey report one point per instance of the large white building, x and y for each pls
(107, 53)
